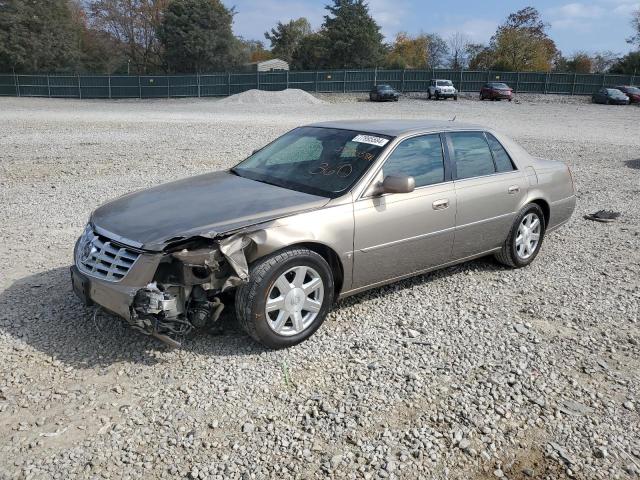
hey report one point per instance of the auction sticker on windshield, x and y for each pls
(371, 140)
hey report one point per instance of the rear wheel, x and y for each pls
(287, 298)
(525, 238)
(428, 94)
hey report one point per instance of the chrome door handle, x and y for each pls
(514, 189)
(441, 204)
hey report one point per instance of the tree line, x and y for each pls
(187, 36)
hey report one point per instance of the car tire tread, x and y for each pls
(507, 255)
(259, 273)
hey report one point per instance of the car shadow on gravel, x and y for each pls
(42, 312)
(485, 264)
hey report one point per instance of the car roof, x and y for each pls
(395, 128)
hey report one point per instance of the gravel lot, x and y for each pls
(471, 372)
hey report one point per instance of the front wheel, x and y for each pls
(287, 298)
(525, 238)
(455, 98)
(428, 94)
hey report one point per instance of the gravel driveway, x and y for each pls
(471, 372)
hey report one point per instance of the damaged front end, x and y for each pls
(168, 294)
(185, 292)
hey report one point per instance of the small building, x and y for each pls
(273, 65)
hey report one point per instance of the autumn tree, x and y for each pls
(286, 37)
(133, 23)
(521, 43)
(480, 56)
(579, 62)
(197, 36)
(352, 37)
(254, 51)
(408, 52)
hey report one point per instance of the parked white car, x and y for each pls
(442, 89)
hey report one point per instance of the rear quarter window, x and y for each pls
(500, 156)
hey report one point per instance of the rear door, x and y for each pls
(400, 234)
(489, 190)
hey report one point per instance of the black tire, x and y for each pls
(437, 96)
(481, 97)
(428, 94)
(455, 97)
(508, 255)
(252, 296)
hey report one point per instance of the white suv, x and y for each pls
(442, 89)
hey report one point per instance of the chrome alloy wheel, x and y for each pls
(528, 236)
(294, 301)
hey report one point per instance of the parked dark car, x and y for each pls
(496, 91)
(632, 92)
(610, 96)
(382, 93)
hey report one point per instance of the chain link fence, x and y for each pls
(325, 81)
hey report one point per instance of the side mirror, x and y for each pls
(398, 184)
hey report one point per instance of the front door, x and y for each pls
(400, 234)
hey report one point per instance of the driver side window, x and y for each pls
(418, 157)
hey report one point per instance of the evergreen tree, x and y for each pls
(38, 35)
(197, 36)
(285, 37)
(352, 36)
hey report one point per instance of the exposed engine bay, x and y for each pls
(184, 295)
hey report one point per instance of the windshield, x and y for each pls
(384, 87)
(444, 83)
(613, 91)
(320, 161)
(500, 86)
(634, 90)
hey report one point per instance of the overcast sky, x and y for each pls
(592, 26)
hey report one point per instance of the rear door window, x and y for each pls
(500, 156)
(471, 154)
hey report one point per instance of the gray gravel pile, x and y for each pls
(291, 96)
(471, 372)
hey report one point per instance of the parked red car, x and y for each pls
(632, 92)
(496, 91)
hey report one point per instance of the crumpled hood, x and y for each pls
(208, 204)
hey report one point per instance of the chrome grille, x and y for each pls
(98, 256)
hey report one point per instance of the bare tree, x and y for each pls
(635, 23)
(603, 61)
(134, 24)
(437, 50)
(458, 47)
